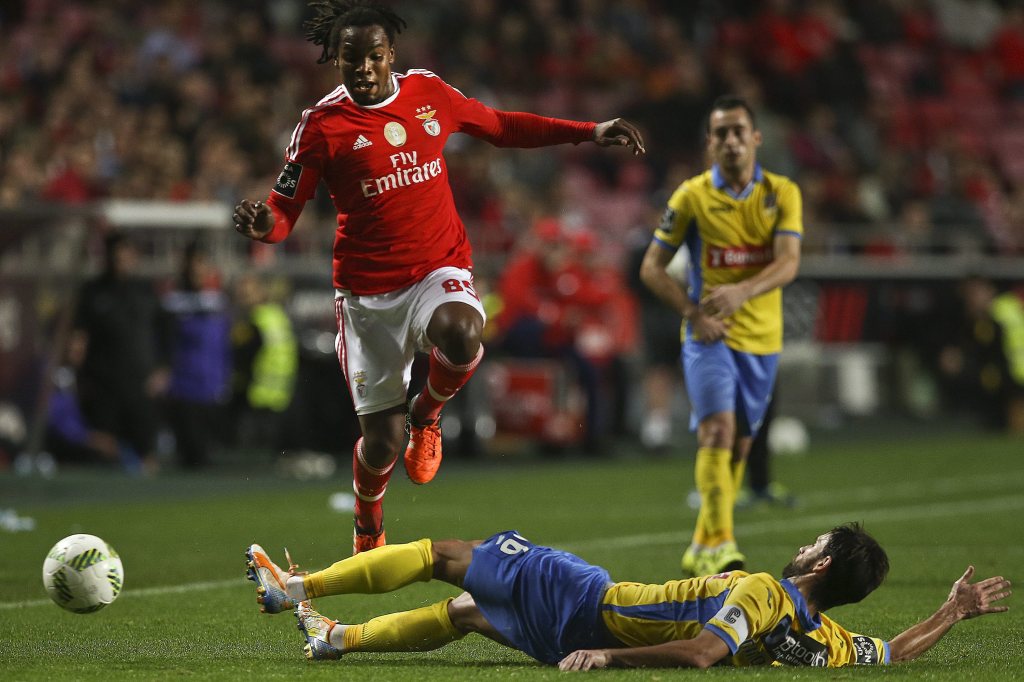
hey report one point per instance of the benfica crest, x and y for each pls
(426, 114)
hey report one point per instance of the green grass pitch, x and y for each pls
(187, 611)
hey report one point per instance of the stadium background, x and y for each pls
(902, 121)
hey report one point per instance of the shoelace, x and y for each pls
(293, 568)
(306, 610)
(434, 439)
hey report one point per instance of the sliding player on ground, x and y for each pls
(563, 611)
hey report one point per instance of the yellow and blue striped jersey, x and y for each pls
(763, 621)
(730, 237)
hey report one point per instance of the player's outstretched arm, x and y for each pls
(703, 651)
(966, 600)
(619, 132)
(253, 219)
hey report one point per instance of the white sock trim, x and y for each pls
(368, 498)
(296, 588)
(438, 396)
(443, 359)
(361, 458)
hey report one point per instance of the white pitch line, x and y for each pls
(821, 521)
(141, 592)
(815, 522)
(1008, 480)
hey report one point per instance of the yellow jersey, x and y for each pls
(763, 621)
(730, 237)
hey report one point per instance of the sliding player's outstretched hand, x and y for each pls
(253, 219)
(585, 659)
(977, 599)
(620, 132)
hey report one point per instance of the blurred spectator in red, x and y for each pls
(75, 179)
(560, 301)
(1008, 48)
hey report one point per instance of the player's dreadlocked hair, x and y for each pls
(333, 15)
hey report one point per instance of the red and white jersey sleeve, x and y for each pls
(387, 177)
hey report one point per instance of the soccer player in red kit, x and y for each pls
(402, 261)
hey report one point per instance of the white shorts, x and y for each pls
(378, 335)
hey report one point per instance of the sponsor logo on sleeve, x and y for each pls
(864, 651)
(288, 181)
(668, 219)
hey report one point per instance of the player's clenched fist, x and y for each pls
(253, 219)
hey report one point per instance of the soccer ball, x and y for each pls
(788, 436)
(82, 573)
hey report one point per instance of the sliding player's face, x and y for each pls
(365, 56)
(732, 140)
(806, 557)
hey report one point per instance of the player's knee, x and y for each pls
(717, 431)
(451, 559)
(465, 615)
(382, 445)
(457, 330)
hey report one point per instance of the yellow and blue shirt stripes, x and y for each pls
(763, 621)
(730, 237)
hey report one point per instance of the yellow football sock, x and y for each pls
(379, 570)
(738, 469)
(700, 530)
(421, 629)
(713, 474)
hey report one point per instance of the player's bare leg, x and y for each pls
(373, 461)
(455, 329)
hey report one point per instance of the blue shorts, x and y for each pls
(543, 601)
(720, 379)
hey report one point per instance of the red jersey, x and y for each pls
(384, 167)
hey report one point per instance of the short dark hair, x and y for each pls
(859, 565)
(727, 102)
(333, 15)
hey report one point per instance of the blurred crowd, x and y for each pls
(902, 121)
(180, 361)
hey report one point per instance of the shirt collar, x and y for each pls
(807, 621)
(718, 180)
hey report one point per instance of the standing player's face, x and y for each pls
(806, 557)
(732, 140)
(365, 56)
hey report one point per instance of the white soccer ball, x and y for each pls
(788, 436)
(82, 573)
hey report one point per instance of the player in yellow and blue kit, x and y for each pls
(562, 610)
(742, 227)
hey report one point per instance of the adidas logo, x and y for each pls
(361, 142)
